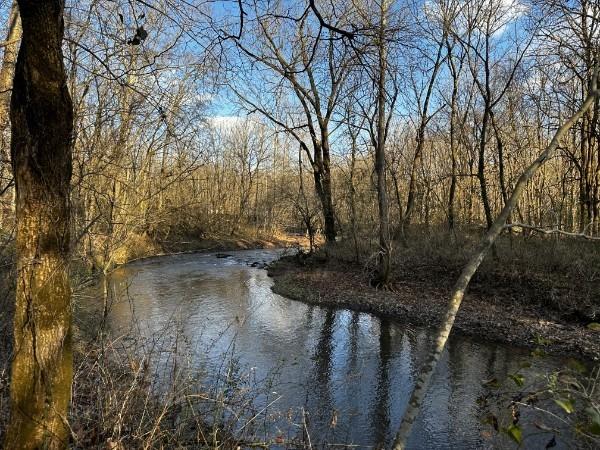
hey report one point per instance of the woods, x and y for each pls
(388, 140)
(462, 113)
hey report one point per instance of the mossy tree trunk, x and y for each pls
(42, 125)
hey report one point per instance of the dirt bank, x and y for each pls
(421, 300)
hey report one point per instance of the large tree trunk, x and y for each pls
(322, 176)
(42, 125)
(327, 199)
(384, 263)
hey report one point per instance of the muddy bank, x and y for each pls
(423, 302)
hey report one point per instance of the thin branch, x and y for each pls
(552, 231)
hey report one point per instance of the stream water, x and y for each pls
(343, 377)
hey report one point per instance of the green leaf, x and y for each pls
(565, 404)
(594, 326)
(517, 378)
(515, 433)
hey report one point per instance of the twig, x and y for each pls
(552, 231)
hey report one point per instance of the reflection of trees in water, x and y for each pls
(323, 407)
(380, 415)
(353, 333)
(309, 317)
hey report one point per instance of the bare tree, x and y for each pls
(311, 64)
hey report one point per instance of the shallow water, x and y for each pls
(341, 376)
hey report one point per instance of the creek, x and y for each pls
(339, 376)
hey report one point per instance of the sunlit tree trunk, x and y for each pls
(13, 38)
(42, 125)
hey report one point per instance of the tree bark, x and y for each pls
(481, 168)
(13, 37)
(326, 196)
(352, 198)
(453, 177)
(42, 126)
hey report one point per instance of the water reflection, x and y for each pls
(381, 405)
(351, 373)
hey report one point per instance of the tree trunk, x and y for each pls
(352, 198)
(481, 168)
(383, 270)
(322, 177)
(328, 210)
(13, 37)
(42, 126)
(453, 177)
(420, 140)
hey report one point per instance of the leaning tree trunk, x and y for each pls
(42, 125)
(469, 270)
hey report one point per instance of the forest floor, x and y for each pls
(543, 295)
